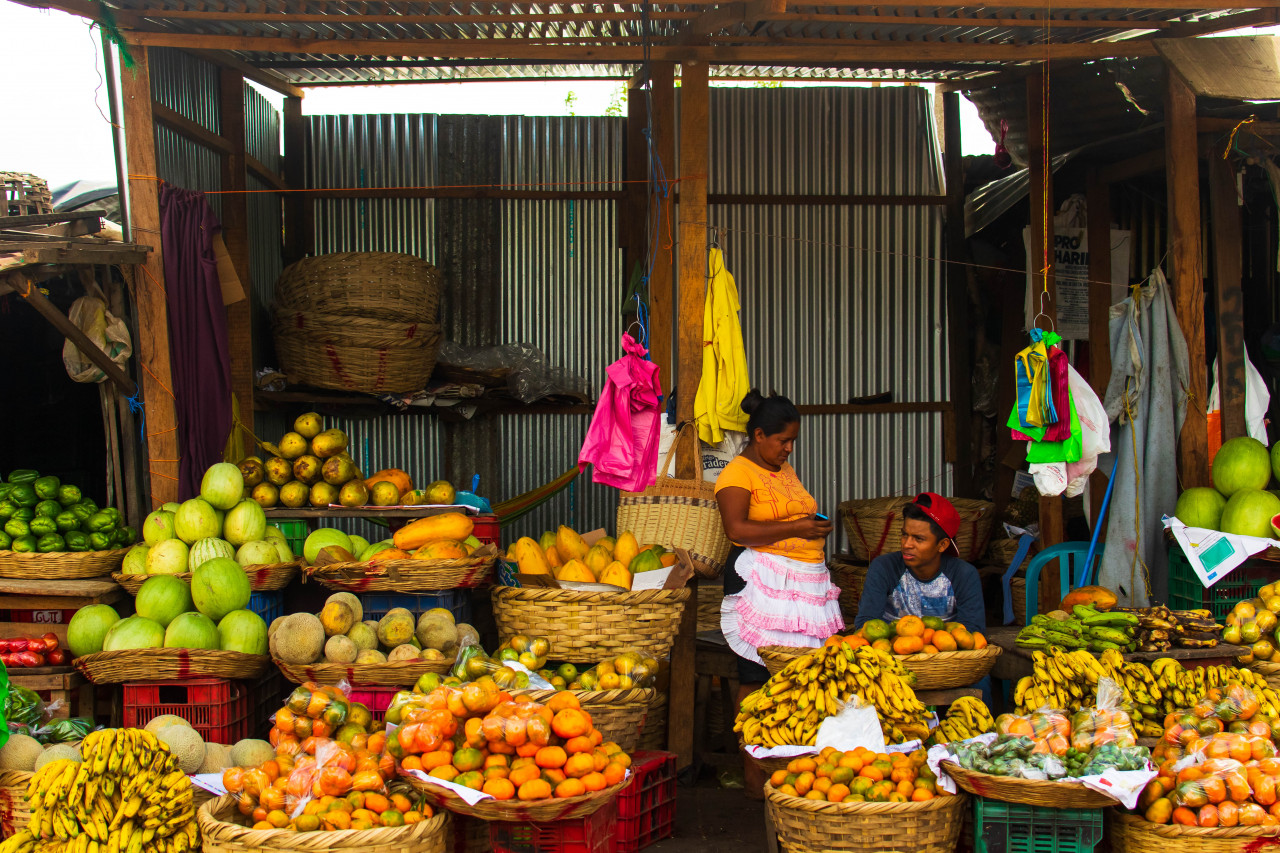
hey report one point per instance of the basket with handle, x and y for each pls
(875, 526)
(678, 513)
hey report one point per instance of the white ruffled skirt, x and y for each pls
(785, 603)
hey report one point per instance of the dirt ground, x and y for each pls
(713, 820)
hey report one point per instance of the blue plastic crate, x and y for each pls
(378, 604)
(1001, 827)
(268, 605)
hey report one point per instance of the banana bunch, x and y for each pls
(792, 704)
(128, 795)
(1085, 628)
(967, 717)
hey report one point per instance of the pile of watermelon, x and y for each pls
(1239, 501)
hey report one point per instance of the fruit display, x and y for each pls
(21, 652)
(339, 633)
(127, 792)
(211, 613)
(480, 737)
(567, 557)
(913, 635)
(859, 776)
(44, 515)
(1085, 627)
(1160, 629)
(791, 705)
(447, 536)
(1238, 502)
(1255, 623)
(967, 717)
(1027, 757)
(1065, 680)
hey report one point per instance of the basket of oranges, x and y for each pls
(861, 801)
(619, 716)
(1131, 833)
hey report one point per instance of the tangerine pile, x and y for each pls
(913, 635)
(859, 776)
(509, 748)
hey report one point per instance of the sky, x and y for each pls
(65, 133)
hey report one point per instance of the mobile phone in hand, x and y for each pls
(820, 516)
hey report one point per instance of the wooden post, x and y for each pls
(1099, 205)
(298, 239)
(958, 300)
(148, 286)
(692, 254)
(635, 170)
(661, 280)
(1224, 209)
(1186, 275)
(235, 234)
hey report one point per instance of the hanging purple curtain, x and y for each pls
(198, 348)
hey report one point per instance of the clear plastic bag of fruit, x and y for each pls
(1049, 728)
(625, 671)
(1106, 722)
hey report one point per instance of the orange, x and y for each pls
(929, 649)
(579, 765)
(837, 793)
(920, 795)
(620, 758)
(908, 644)
(376, 803)
(534, 789)
(582, 743)
(553, 776)
(822, 784)
(883, 646)
(910, 626)
(905, 788)
(833, 640)
(1184, 816)
(872, 773)
(852, 761)
(804, 783)
(401, 802)
(855, 641)
(594, 782)
(944, 641)
(964, 640)
(778, 777)
(841, 775)
(562, 700)
(520, 775)
(496, 773)
(788, 790)
(800, 765)
(447, 772)
(979, 641)
(496, 761)
(551, 757)
(570, 788)
(411, 762)
(571, 723)
(613, 774)
(468, 759)
(825, 770)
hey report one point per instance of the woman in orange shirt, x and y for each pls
(777, 587)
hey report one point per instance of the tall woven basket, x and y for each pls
(875, 526)
(806, 826)
(1131, 834)
(677, 513)
(15, 812)
(222, 831)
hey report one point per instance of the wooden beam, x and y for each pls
(1186, 274)
(261, 76)
(967, 21)
(862, 51)
(662, 278)
(235, 234)
(407, 18)
(1099, 206)
(957, 295)
(190, 129)
(1254, 18)
(264, 174)
(297, 207)
(1133, 167)
(1224, 211)
(148, 284)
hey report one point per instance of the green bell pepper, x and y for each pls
(24, 544)
(100, 541)
(130, 535)
(47, 487)
(42, 526)
(48, 508)
(24, 494)
(5, 541)
(113, 513)
(77, 541)
(25, 513)
(16, 527)
(119, 538)
(7, 509)
(5, 489)
(83, 510)
(69, 494)
(51, 542)
(101, 522)
(66, 521)
(23, 475)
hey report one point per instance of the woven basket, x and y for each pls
(369, 370)
(619, 715)
(1268, 670)
(849, 576)
(1131, 834)
(679, 514)
(1002, 551)
(1018, 597)
(409, 576)
(60, 565)
(875, 526)
(709, 597)
(199, 796)
(169, 664)
(804, 826)
(588, 626)
(349, 331)
(1054, 795)
(776, 657)
(221, 832)
(518, 811)
(654, 733)
(950, 669)
(15, 813)
(262, 578)
(401, 673)
(770, 765)
(377, 285)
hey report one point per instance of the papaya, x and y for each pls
(626, 549)
(616, 573)
(400, 479)
(548, 540)
(645, 561)
(553, 558)
(570, 545)
(415, 497)
(597, 558)
(389, 554)
(575, 570)
(529, 557)
(1099, 596)
(449, 525)
(441, 549)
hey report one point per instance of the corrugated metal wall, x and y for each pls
(266, 258)
(188, 86)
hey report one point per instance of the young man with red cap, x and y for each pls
(925, 578)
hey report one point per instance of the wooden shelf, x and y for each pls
(265, 400)
(285, 512)
(23, 594)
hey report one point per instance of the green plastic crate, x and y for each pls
(1186, 593)
(1000, 827)
(295, 532)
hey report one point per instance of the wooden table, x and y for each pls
(24, 594)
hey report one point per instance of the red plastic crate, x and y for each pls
(488, 530)
(378, 701)
(46, 617)
(219, 709)
(591, 834)
(647, 807)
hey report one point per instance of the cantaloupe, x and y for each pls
(251, 752)
(20, 753)
(164, 721)
(363, 636)
(215, 758)
(186, 745)
(437, 632)
(57, 751)
(300, 639)
(352, 601)
(337, 617)
(340, 649)
(370, 656)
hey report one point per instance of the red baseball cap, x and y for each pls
(941, 511)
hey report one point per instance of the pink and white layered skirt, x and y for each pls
(785, 603)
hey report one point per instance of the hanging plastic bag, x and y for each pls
(1257, 399)
(1031, 365)
(1056, 477)
(102, 327)
(1105, 723)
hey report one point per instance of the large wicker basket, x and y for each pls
(1000, 552)
(619, 715)
(1131, 834)
(710, 596)
(22, 194)
(1055, 795)
(520, 811)
(849, 575)
(770, 764)
(950, 669)
(222, 832)
(376, 285)
(345, 330)
(806, 826)
(263, 577)
(169, 664)
(588, 626)
(654, 733)
(408, 576)
(15, 812)
(60, 565)
(400, 673)
(369, 370)
(875, 526)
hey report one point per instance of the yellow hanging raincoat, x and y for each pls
(724, 359)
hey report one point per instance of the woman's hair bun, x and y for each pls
(752, 401)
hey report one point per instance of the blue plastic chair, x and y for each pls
(1072, 571)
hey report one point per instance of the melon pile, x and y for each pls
(1238, 502)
